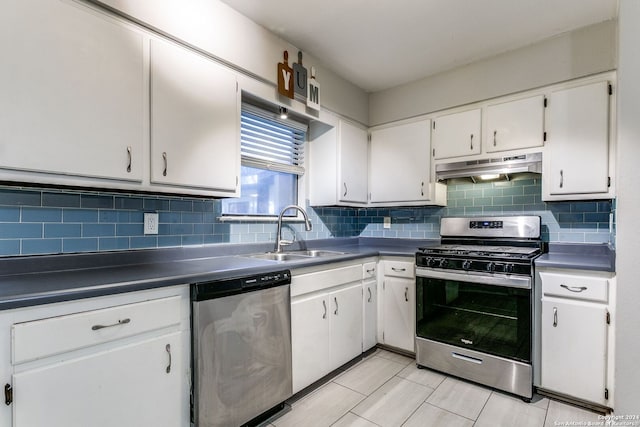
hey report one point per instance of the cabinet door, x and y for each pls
(399, 163)
(574, 343)
(194, 120)
(399, 313)
(578, 140)
(134, 385)
(72, 85)
(309, 340)
(515, 124)
(456, 135)
(345, 324)
(370, 303)
(353, 158)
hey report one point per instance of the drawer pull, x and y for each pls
(555, 317)
(324, 304)
(398, 269)
(574, 288)
(373, 270)
(467, 358)
(369, 290)
(168, 348)
(336, 301)
(118, 323)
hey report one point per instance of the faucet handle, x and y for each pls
(286, 242)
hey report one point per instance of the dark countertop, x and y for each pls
(27, 281)
(594, 257)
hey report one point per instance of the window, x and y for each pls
(272, 151)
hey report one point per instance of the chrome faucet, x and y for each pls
(307, 225)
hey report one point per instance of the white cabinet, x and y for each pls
(370, 305)
(456, 134)
(515, 124)
(326, 322)
(113, 360)
(72, 84)
(338, 164)
(575, 324)
(195, 114)
(577, 152)
(398, 305)
(400, 167)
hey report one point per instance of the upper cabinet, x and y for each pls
(456, 135)
(400, 166)
(577, 153)
(515, 124)
(73, 95)
(195, 123)
(338, 164)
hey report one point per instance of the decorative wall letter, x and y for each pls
(313, 95)
(300, 77)
(285, 77)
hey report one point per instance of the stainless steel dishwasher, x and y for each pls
(241, 331)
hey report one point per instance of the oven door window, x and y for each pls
(486, 318)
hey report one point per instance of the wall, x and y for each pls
(224, 33)
(579, 53)
(627, 317)
(50, 221)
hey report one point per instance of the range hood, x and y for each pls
(473, 169)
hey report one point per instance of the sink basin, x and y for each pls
(272, 256)
(317, 253)
(295, 255)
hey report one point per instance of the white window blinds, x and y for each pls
(268, 142)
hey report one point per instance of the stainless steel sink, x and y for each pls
(272, 256)
(295, 255)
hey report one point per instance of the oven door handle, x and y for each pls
(493, 279)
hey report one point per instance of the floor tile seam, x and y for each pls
(415, 410)
(483, 407)
(355, 391)
(416, 382)
(391, 360)
(451, 412)
(354, 414)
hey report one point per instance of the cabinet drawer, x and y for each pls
(399, 269)
(41, 338)
(369, 270)
(574, 286)
(311, 282)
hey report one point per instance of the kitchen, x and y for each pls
(89, 221)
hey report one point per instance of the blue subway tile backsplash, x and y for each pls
(59, 221)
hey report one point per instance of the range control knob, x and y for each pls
(430, 262)
(443, 263)
(466, 264)
(491, 266)
(508, 268)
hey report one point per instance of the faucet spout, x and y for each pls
(279, 241)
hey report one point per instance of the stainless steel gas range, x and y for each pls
(474, 300)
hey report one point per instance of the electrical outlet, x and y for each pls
(387, 222)
(150, 223)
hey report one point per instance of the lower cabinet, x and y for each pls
(369, 306)
(398, 304)
(575, 323)
(116, 360)
(326, 322)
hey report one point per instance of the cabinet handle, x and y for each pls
(422, 188)
(371, 271)
(345, 189)
(574, 288)
(369, 290)
(324, 304)
(168, 348)
(406, 294)
(555, 317)
(129, 157)
(494, 137)
(336, 301)
(118, 323)
(398, 269)
(561, 178)
(472, 141)
(164, 157)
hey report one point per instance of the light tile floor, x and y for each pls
(386, 389)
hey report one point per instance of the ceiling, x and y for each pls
(379, 44)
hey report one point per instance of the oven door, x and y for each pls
(486, 313)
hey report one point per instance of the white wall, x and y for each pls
(571, 55)
(627, 369)
(224, 33)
